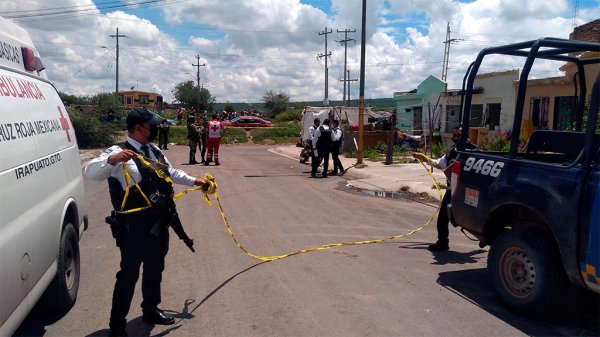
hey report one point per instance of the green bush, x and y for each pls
(291, 115)
(379, 152)
(91, 132)
(438, 150)
(280, 133)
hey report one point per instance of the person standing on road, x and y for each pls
(215, 130)
(314, 160)
(202, 142)
(336, 143)
(142, 237)
(444, 163)
(321, 148)
(193, 139)
(163, 135)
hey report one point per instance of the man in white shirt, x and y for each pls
(336, 143)
(142, 236)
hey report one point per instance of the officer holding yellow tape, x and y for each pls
(142, 236)
(444, 163)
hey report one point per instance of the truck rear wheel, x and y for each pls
(527, 272)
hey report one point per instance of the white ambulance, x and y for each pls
(41, 187)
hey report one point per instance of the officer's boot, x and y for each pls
(439, 246)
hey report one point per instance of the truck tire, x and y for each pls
(62, 292)
(527, 272)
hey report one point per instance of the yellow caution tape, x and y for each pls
(211, 188)
(331, 245)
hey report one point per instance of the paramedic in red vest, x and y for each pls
(214, 130)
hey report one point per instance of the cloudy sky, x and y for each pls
(252, 46)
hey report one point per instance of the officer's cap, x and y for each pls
(140, 116)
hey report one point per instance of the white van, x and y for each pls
(41, 186)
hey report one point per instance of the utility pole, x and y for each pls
(349, 80)
(326, 55)
(345, 43)
(198, 79)
(448, 41)
(361, 98)
(117, 75)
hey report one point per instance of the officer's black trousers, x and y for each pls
(335, 155)
(139, 246)
(443, 219)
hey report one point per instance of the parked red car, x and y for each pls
(248, 121)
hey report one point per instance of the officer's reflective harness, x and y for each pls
(210, 187)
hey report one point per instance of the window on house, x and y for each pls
(538, 112)
(476, 115)
(418, 120)
(452, 117)
(493, 115)
(143, 99)
(129, 100)
(564, 112)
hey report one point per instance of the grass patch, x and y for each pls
(280, 133)
(235, 136)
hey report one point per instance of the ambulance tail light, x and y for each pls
(454, 177)
(29, 61)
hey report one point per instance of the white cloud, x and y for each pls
(250, 47)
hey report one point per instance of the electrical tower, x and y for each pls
(326, 55)
(117, 68)
(447, 53)
(575, 13)
(344, 42)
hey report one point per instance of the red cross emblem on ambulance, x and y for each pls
(64, 123)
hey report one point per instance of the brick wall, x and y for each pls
(587, 32)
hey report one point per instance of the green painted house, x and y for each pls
(410, 105)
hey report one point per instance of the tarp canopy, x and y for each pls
(340, 113)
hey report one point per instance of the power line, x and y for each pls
(84, 10)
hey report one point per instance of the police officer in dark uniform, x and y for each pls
(336, 143)
(143, 236)
(445, 164)
(193, 139)
(321, 148)
(163, 135)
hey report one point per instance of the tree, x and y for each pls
(228, 107)
(276, 102)
(104, 101)
(188, 94)
(73, 99)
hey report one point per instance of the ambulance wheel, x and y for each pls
(62, 292)
(527, 272)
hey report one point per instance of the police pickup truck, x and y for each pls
(537, 205)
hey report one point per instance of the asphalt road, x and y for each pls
(396, 288)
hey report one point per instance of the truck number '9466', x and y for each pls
(485, 167)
